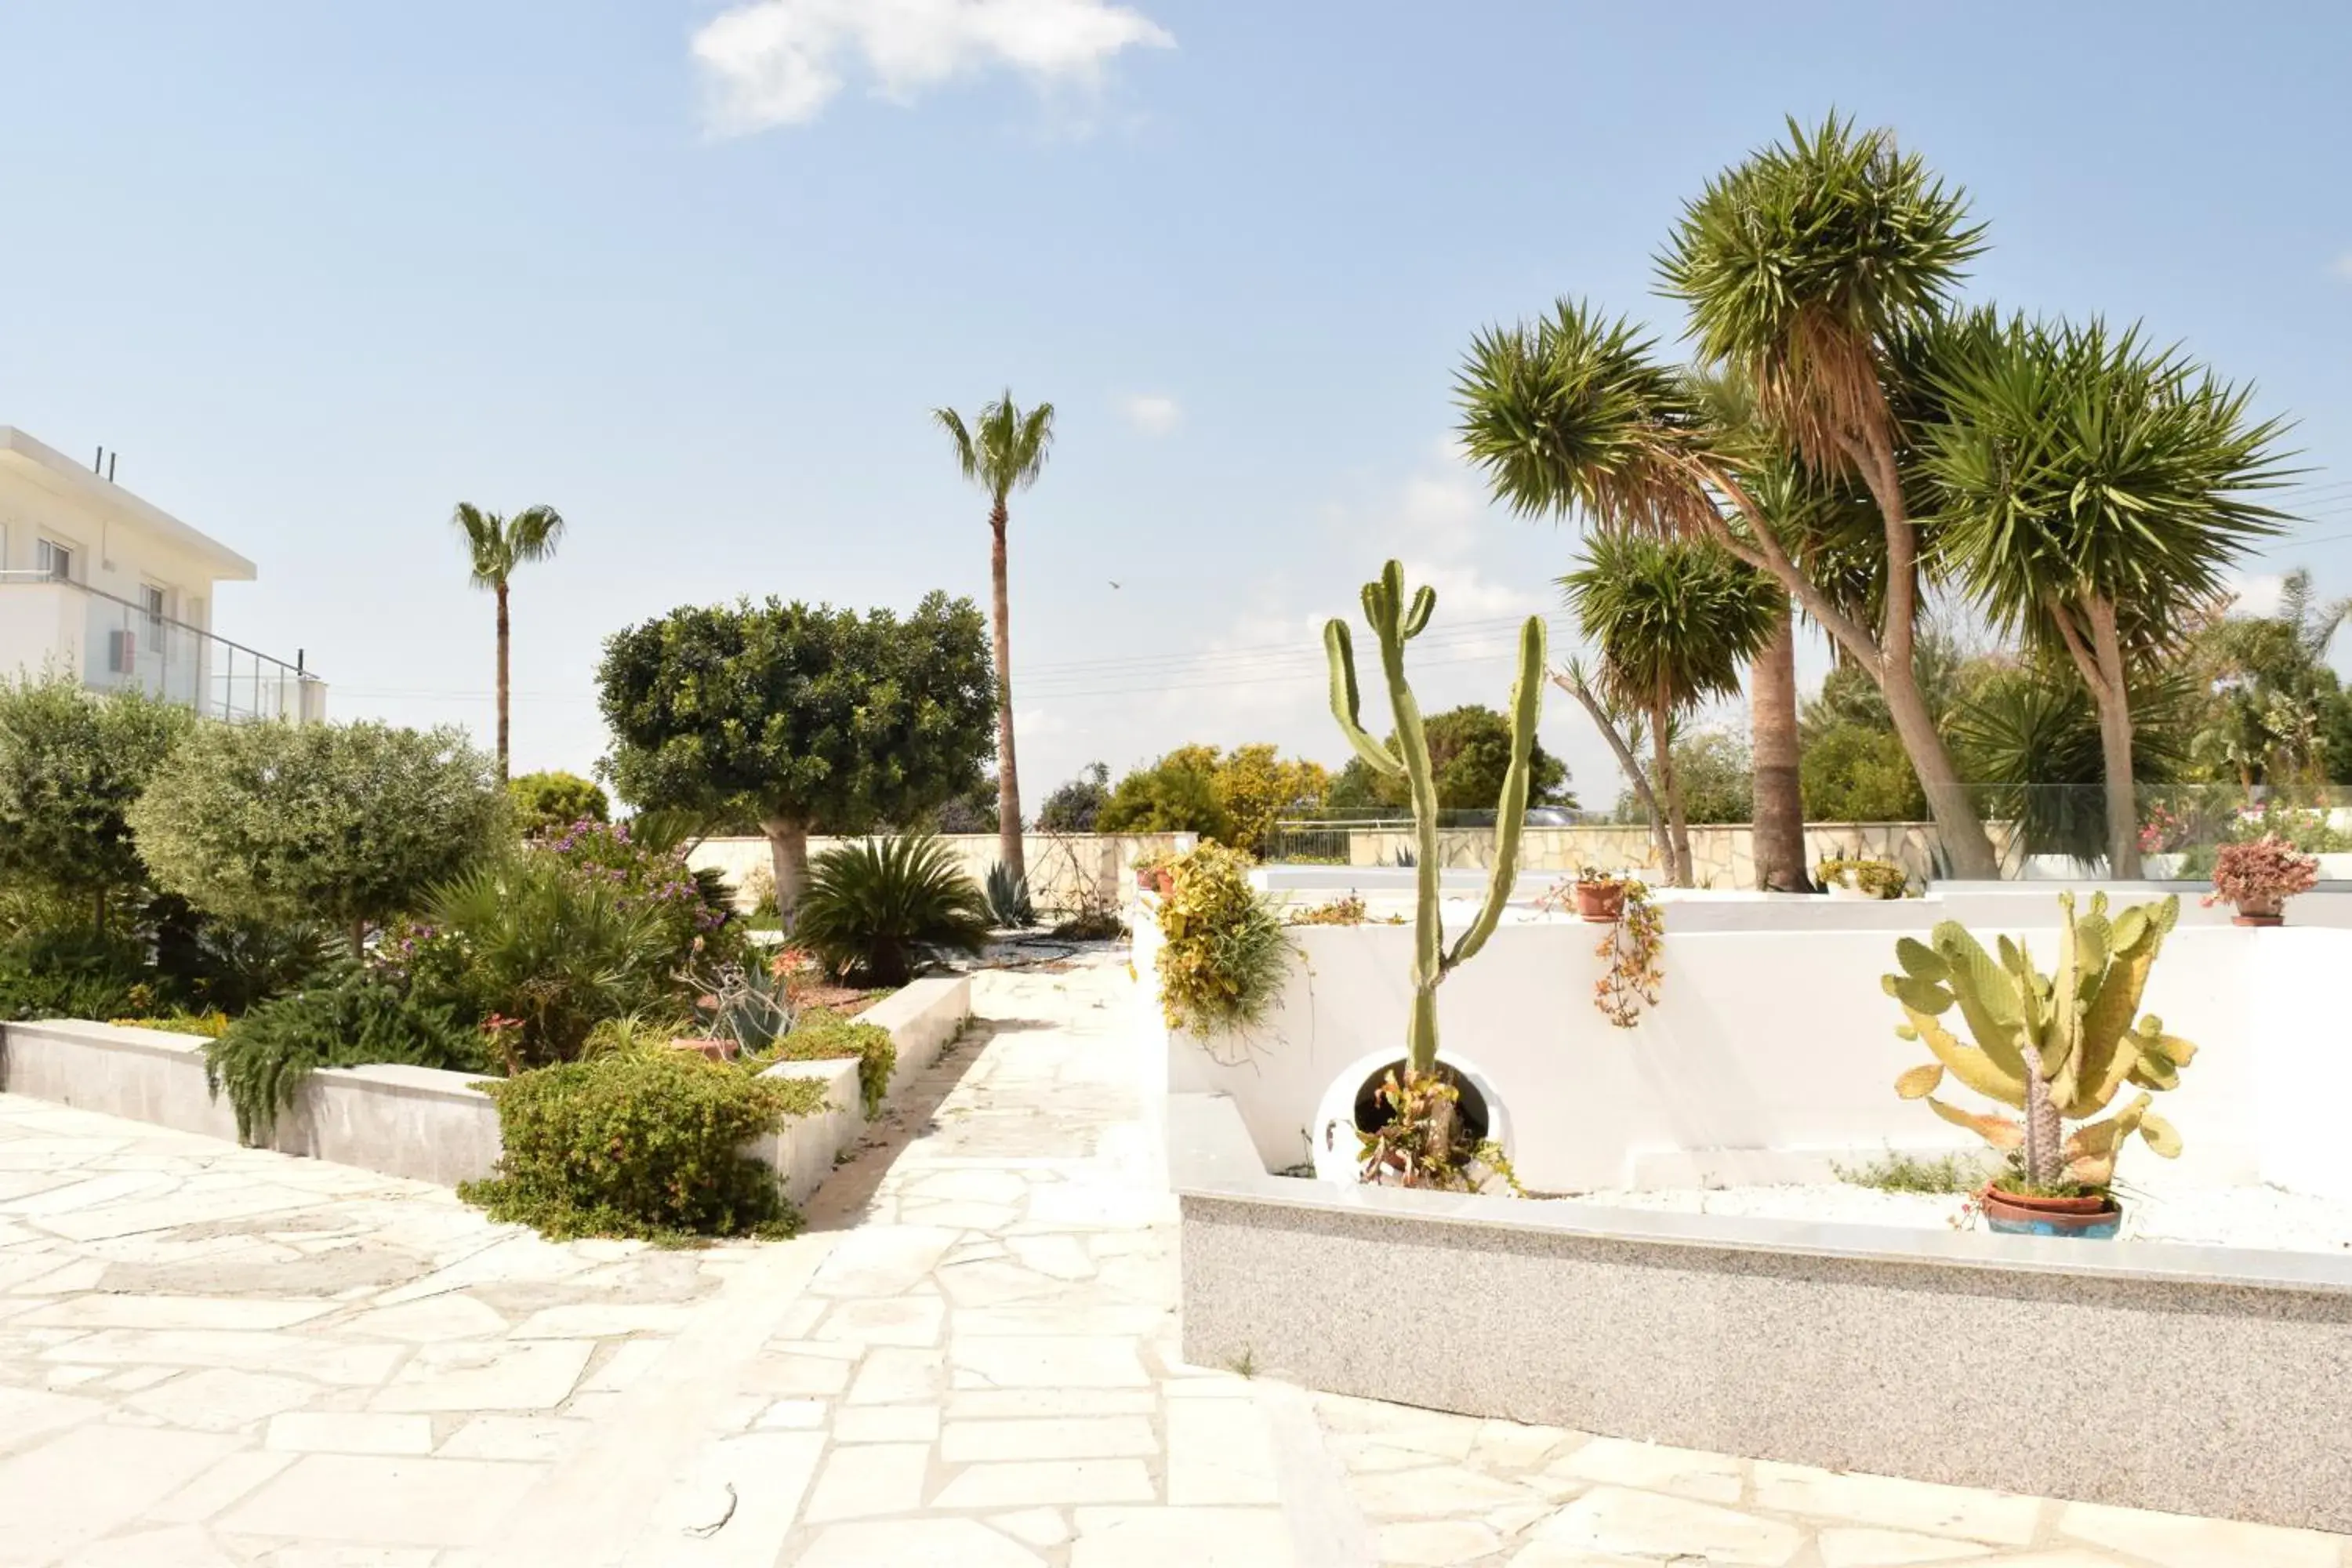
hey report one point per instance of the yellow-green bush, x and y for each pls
(828, 1037)
(1226, 953)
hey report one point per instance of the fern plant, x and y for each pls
(263, 1059)
(876, 909)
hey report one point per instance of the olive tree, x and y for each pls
(71, 764)
(348, 824)
(806, 718)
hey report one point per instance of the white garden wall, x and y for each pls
(1773, 1050)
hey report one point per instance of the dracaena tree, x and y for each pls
(2095, 490)
(1674, 620)
(495, 546)
(1002, 450)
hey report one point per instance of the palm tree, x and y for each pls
(1805, 268)
(2094, 492)
(1002, 451)
(1674, 619)
(496, 545)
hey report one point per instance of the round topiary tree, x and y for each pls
(553, 801)
(71, 764)
(350, 824)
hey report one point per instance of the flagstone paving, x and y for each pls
(212, 1356)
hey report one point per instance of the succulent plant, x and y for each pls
(1396, 621)
(2057, 1047)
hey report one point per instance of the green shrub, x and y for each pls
(205, 1025)
(828, 1037)
(264, 1056)
(532, 939)
(71, 764)
(230, 965)
(647, 871)
(1894, 1173)
(640, 1143)
(72, 972)
(872, 909)
(345, 823)
(1226, 953)
(547, 803)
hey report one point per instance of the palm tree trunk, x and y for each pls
(1008, 770)
(2114, 699)
(1678, 865)
(1776, 843)
(1627, 763)
(788, 857)
(504, 631)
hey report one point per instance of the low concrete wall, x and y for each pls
(421, 1122)
(2188, 1379)
(1722, 854)
(1063, 867)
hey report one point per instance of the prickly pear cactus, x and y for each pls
(2056, 1047)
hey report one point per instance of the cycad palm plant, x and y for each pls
(1002, 451)
(1674, 619)
(496, 545)
(875, 908)
(2095, 490)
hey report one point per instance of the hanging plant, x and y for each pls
(1636, 939)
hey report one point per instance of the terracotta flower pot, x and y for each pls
(2094, 1217)
(717, 1050)
(1601, 903)
(2260, 914)
(1158, 880)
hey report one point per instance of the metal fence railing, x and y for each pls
(111, 644)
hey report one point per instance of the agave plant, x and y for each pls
(1008, 897)
(873, 909)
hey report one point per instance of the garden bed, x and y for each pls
(423, 1123)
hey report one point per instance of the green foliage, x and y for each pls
(1715, 775)
(1178, 794)
(1074, 805)
(1849, 773)
(2029, 734)
(646, 869)
(1897, 1173)
(1674, 619)
(261, 1062)
(1225, 954)
(1008, 898)
(71, 765)
(973, 810)
(749, 1003)
(551, 802)
(1413, 1146)
(815, 716)
(640, 1143)
(348, 824)
(828, 1037)
(496, 543)
(70, 970)
(530, 940)
(2058, 1047)
(230, 965)
(1469, 756)
(1879, 878)
(203, 1025)
(875, 908)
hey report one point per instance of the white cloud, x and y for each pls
(1152, 414)
(2342, 266)
(780, 62)
(2256, 595)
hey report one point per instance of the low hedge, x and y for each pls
(640, 1143)
(829, 1037)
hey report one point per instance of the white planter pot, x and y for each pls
(1334, 1128)
(1842, 890)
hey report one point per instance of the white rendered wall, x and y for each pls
(1771, 1051)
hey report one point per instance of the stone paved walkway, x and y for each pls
(211, 1355)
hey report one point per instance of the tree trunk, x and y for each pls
(359, 941)
(1008, 770)
(788, 856)
(1958, 825)
(1630, 766)
(1678, 865)
(1778, 842)
(2044, 1130)
(2113, 697)
(503, 632)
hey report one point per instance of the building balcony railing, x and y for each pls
(110, 644)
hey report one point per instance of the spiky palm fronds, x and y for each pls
(1674, 619)
(1003, 450)
(496, 544)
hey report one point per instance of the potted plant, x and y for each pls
(2258, 877)
(1599, 896)
(2056, 1047)
(1415, 1129)
(1856, 878)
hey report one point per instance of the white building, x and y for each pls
(103, 587)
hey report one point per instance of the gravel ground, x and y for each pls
(2265, 1217)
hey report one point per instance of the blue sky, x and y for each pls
(695, 274)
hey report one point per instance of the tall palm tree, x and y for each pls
(2095, 490)
(1674, 619)
(496, 545)
(1805, 268)
(1002, 451)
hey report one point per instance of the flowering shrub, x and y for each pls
(2163, 832)
(2260, 875)
(656, 881)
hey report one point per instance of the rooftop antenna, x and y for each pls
(109, 466)
(98, 462)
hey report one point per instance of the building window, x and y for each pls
(55, 559)
(151, 599)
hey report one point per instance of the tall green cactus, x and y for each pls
(2058, 1047)
(1396, 623)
